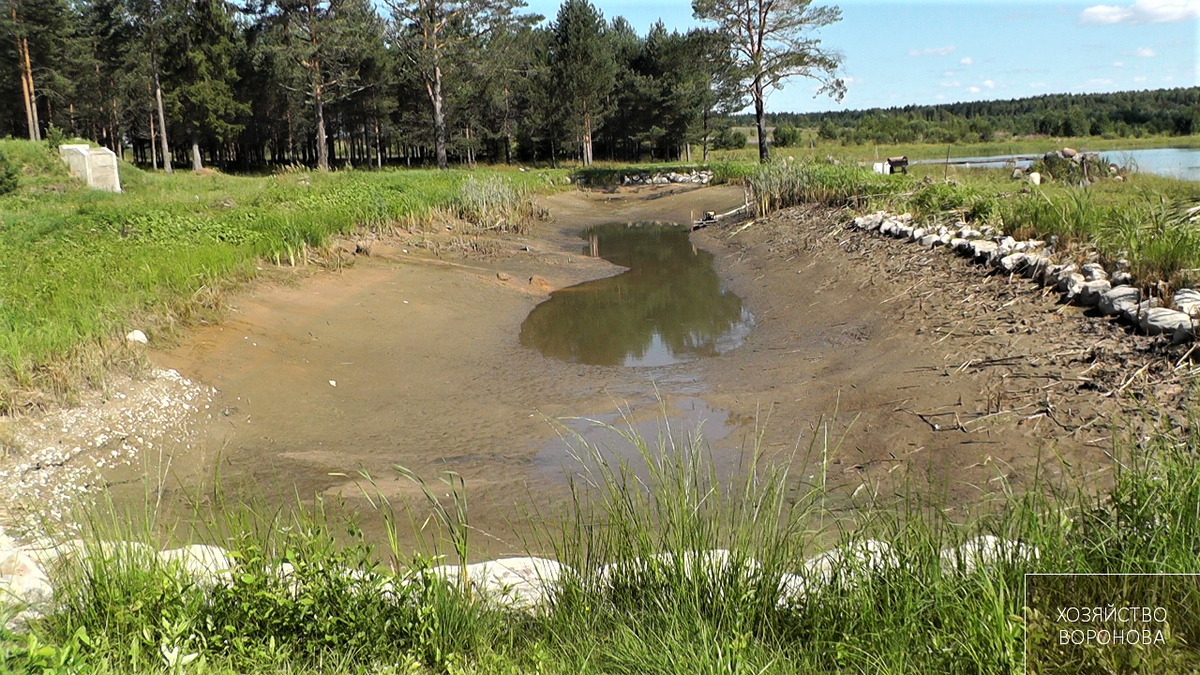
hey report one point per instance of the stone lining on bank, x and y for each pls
(1091, 285)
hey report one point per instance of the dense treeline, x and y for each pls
(338, 82)
(1173, 112)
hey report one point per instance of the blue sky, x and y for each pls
(899, 52)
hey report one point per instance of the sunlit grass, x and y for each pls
(80, 267)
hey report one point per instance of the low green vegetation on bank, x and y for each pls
(80, 267)
(1143, 218)
(907, 590)
(811, 146)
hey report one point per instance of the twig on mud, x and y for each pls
(901, 295)
(1179, 363)
(1128, 382)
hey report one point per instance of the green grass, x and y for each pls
(81, 267)
(345, 610)
(1144, 219)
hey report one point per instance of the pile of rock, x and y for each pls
(525, 584)
(1089, 285)
(700, 177)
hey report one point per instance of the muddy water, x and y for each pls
(669, 306)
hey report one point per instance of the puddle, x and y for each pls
(660, 426)
(670, 306)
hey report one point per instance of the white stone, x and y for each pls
(930, 240)
(201, 562)
(849, 563)
(1011, 262)
(1035, 178)
(1071, 285)
(1159, 320)
(983, 249)
(916, 234)
(984, 552)
(1035, 266)
(716, 561)
(1122, 278)
(137, 337)
(1090, 292)
(1118, 300)
(1187, 300)
(1093, 272)
(1134, 313)
(521, 583)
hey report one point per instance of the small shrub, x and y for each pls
(55, 137)
(787, 136)
(728, 139)
(8, 175)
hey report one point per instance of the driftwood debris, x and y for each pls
(712, 218)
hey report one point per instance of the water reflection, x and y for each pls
(669, 306)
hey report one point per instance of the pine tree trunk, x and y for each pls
(439, 116)
(322, 144)
(153, 152)
(587, 139)
(378, 146)
(162, 115)
(37, 127)
(25, 100)
(760, 117)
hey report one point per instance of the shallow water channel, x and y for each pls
(669, 306)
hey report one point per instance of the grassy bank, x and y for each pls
(346, 607)
(1143, 218)
(79, 268)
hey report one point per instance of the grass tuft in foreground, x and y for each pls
(647, 595)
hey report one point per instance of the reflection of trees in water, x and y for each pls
(670, 290)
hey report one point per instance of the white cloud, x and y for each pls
(966, 61)
(1099, 81)
(1118, 64)
(1139, 79)
(955, 83)
(1143, 52)
(989, 84)
(1141, 11)
(1035, 85)
(940, 51)
(974, 90)
(948, 73)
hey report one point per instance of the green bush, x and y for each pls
(8, 175)
(787, 136)
(728, 139)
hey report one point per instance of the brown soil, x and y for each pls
(937, 370)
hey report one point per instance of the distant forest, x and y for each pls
(355, 82)
(1174, 112)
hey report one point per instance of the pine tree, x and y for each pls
(771, 41)
(201, 63)
(583, 68)
(439, 36)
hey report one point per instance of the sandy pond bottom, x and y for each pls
(432, 364)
